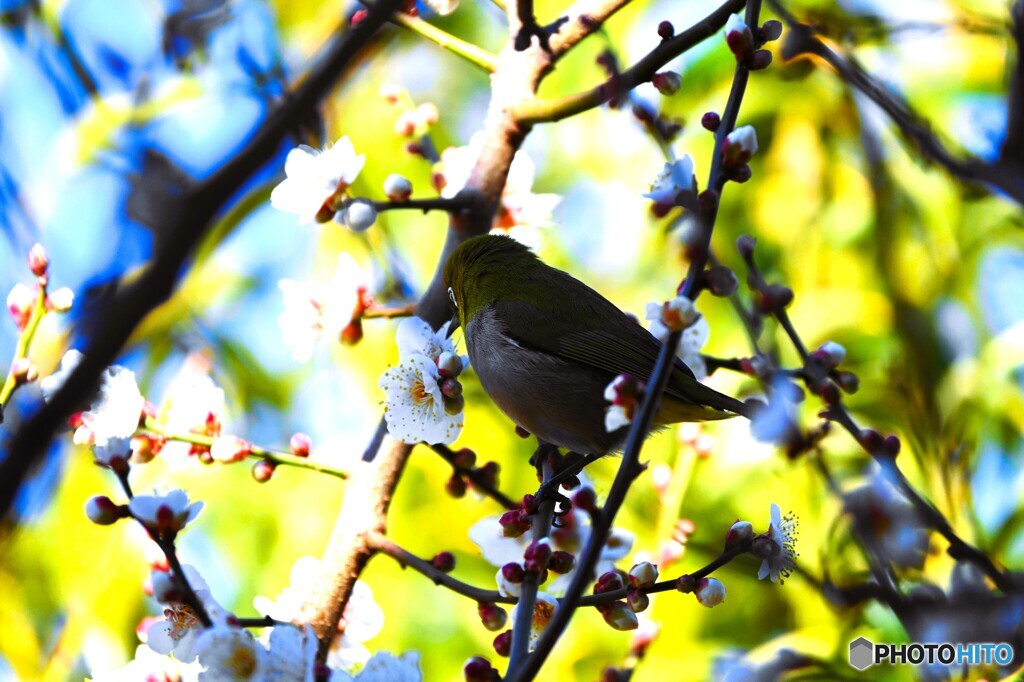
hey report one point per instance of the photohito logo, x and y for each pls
(865, 653)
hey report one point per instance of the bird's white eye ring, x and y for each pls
(451, 296)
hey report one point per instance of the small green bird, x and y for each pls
(545, 346)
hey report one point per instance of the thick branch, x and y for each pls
(187, 219)
(1007, 175)
(539, 111)
(1013, 146)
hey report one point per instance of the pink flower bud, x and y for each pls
(479, 669)
(609, 582)
(300, 444)
(451, 388)
(513, 572)
(739, 37)
(61, 300)
(38, 260)
(455, 486)
(710, 592)
(620, 617)
(637, 601)
(262, 471)
(20, 302)
(667, 82)
(562, 562)
(391, 92)
(492, 616)
(444, 562)
(405, 126)
(711, 121)
(537, 556)
(449, 364)
(465, 458)
(514, 523)
(23, 371)
(643, 574)
(503, 643)
(397, 187)
(741, 531)
(102, 511)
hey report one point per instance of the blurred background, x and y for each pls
(920, 277)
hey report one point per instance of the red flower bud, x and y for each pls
(503, 643)
(300, 445)
(263, 470)
(666, 30)
(711, 121)
(444, 562)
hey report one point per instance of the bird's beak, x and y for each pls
(455, 322)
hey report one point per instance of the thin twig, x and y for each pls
(477, 477)
(471, 53)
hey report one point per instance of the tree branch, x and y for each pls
(540, 111)
(187, 218)
(1006, 175)
(580, 20)
(471, 53)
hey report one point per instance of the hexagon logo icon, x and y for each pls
(862, 653)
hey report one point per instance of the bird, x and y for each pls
(544, 347)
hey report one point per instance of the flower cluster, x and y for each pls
(113, 416)
(333, 309)
(680, 314)
(521, 211)
(423, 394)
(316, 183)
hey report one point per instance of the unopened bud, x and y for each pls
(686, 583)
(562, 562)
(710, 592)
(102, 511)
(503, 643)
(870, 440)
(721, 281)
(263, 471)
(358, 216)
(352, 333)
(513, 572)
(892, 445)
(300, 444)
(492, 616)
(609, 582)
(760, 60)
(444, 562)
(479, 669)
(449, 364)
(643, 574)
(770, 30)
(228, 449)
(711, 121)
(848, 381)
(741, 531)
(666, 30)
(23, 371)
(585, 499)
(61, 300)
(620, 616)
(397, 187)
(667, 82)
(514, 523)
(455, 486)
(637, 601)
(537, 555)
(38, 260)
(451, 388)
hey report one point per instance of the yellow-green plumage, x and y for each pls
(545, 346)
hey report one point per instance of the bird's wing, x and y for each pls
(619, 345)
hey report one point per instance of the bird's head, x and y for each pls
(483, 270)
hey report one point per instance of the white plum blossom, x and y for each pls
(521, 211)
(112, 452)
(543, 611)
(782, 537)
(416, 337)
(674, 178)
(228, 654)
(693, 339)
(193, 403)
(624, 393)
(116, 411)
(312, 310)
(313, 177)
(179, 630)
(161, 513)
(20, 301)
(150, 665)
(385, 667)
(674, 315)
(363, 618)
(415, 409)
(60, 300)
(291, 654)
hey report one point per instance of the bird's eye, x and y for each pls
(451, 296)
